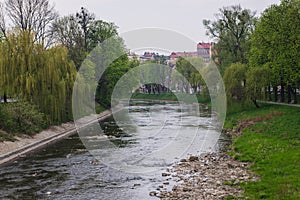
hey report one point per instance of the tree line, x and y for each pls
(258, 57)
(41, 52)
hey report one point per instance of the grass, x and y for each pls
(272, 144)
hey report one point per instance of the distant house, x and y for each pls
(176, 55)
(147, 56)
(204, 51)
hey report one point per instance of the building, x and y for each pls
(176, 55)
(204, 51)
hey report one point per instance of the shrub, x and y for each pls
(22, 118)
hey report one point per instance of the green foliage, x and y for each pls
(190, 69)
(275, 44)
(232, 30)
(81, 33)
(116, 70)
(235, 106)
(272, 145)
(99, 31)
(173, 97)
(258, 79)
(235, 80)
(42, 77)
(22, 118)
(67, 32)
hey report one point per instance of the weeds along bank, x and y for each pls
(268, 137)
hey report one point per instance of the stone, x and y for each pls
(204, 179)
(166, 174)
(153, 193)
(193, 158)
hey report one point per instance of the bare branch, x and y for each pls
(31, 15)
(2, 21)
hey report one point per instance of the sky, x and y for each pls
(182, 16)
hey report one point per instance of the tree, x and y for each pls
(276, 45)
(99, 31)
(235, 81)
(67, 32)
(84, 19)
(33, 16)
(258, 79)
(81, 33)
(190, 69)
(231, 30)
(43, 77)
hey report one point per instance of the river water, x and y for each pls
(67, 170)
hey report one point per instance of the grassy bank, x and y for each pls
(173, 97)
(269, 137)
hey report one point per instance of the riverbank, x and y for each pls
(209, 176)
(10, 151)
(174, 97)
(263, 162)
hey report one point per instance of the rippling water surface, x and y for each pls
(155, 137)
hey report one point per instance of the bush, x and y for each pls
(22, 118)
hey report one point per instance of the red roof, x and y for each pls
(204, 46)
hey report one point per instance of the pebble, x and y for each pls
(166, 174)
(153, 193)
(204, 177)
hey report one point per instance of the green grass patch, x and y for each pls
(272, 144)
(189, 98)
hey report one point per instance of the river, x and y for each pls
(67, 170)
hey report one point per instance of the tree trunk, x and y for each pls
(5, 98)
(282, 97)
(295, 96)
(275, 90)
(269, 93)
(255, 103)
(289, 94)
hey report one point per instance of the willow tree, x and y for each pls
(32, 73)
(190, 69)
(235, 81)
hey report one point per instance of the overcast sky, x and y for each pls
(183, 16)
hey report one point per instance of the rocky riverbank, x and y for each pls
(209, 176)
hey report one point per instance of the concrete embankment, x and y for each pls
(10, 151)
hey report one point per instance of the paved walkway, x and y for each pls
(281, 104)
